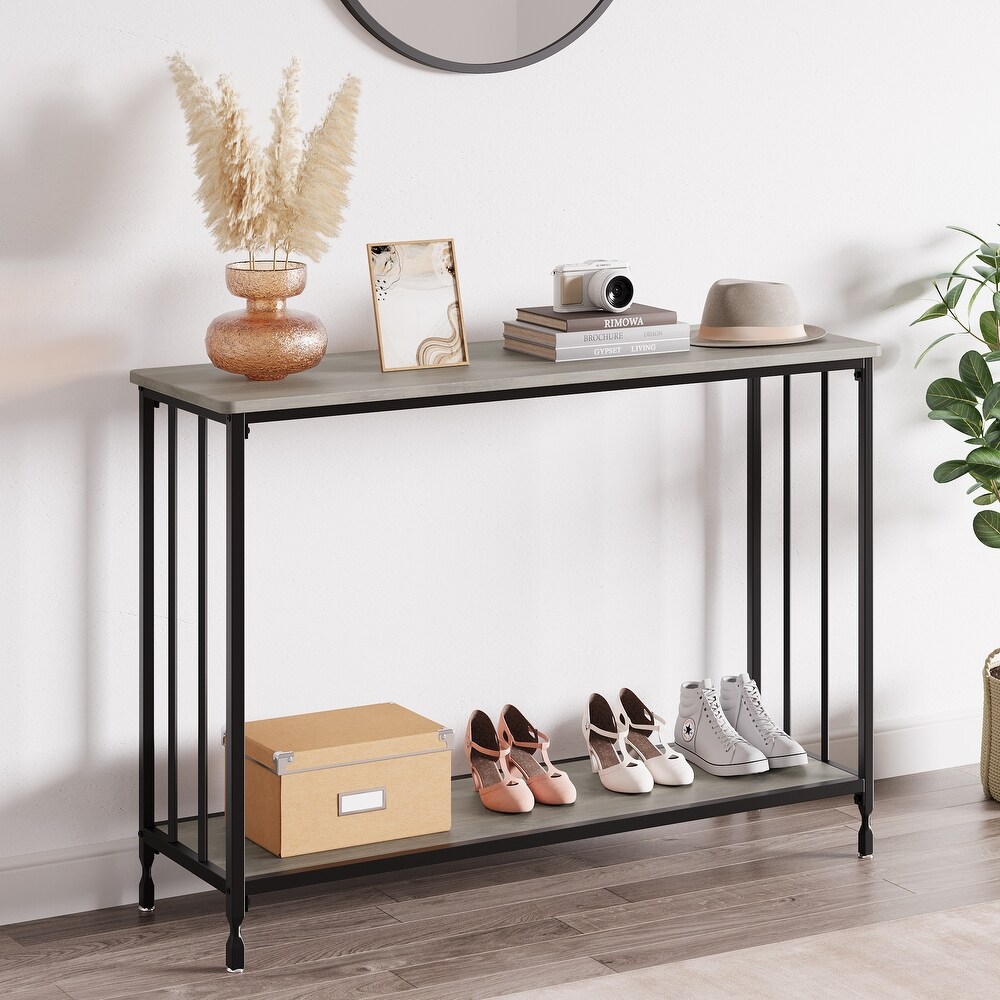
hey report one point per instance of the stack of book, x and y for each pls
(577, 336)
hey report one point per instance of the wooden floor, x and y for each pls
(540, 917)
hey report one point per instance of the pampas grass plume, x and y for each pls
(283, 158)
(293, 195)
(201, 112)
(321, 194)
(243, 177)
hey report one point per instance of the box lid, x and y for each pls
(342, 736)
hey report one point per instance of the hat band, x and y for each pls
(752, 333)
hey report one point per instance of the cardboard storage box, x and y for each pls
(352, 776)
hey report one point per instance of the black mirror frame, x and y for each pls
(356, 8)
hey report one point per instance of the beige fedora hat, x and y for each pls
(752, 314)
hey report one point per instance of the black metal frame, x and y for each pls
(162, 838)
(363, 17)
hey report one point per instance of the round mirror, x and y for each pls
(477, 36)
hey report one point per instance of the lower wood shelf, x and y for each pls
(476, 831)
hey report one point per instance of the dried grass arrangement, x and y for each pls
(288, 198)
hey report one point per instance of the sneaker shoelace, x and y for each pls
(720, 723)
(767, 728)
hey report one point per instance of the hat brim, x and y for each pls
(812, 333)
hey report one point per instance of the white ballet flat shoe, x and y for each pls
(610, 759)
(642, 728)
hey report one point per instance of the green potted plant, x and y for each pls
(971, 405)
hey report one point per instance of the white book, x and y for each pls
(593, 351)
(557, 339)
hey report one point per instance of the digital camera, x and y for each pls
(593, 284)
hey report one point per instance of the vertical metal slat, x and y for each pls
(202, 639)
(753, 527)
(172, 623)
(824, 568)
(786, 547)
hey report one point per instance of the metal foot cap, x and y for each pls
(146, 909)
(866, 857)
(232, 970)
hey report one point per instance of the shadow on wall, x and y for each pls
(120, 774)
(82, 409)
(867, 281)
(859, 279)
(81, 205)
(66, 342)
(70, 169)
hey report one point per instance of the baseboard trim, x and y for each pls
(77, 879)
(909, 746)
(33, 886)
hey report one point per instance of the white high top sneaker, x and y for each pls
(743, 708)
(704, 736)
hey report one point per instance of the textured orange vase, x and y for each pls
(266, 341)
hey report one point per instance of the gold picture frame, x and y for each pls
(418, 305)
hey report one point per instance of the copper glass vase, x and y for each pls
(266, 341)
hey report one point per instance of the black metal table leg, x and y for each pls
(824, 569)
(866, 695)
(236, 426)
(147, 898)
(753, 528)
(786, 550)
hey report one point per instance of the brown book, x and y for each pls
(636, 315)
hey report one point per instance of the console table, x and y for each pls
(212, 846)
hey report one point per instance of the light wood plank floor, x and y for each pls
(523, 920)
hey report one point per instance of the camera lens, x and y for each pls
(619, 292)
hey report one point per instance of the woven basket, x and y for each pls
(989, 766)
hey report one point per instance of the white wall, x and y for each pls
(463, 557)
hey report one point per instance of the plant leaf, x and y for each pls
(987, 273)
(981, 442)
(988, 457)
(936, 311)
(985, 499)
(975, 486)
(991, 404)
(986, 525)
(986, 474)
(934, 343)
(964, 417)
(952, 275)
(942, 392)
(975, 372)
(965, 232)
(988, 328)
(947, 471)
(975, 295)
(953, 294)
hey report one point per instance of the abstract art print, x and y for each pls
(418, 309)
